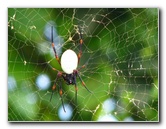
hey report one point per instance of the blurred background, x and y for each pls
(120, 52)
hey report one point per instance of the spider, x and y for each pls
(69, 62)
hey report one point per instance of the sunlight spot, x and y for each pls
(43, 82)
(25, 62)
(31, 98)
(128, 119)
(109, 105)
(107, 118)
(43, 48)
(32, 27)
(12, 27)
(14, 16)
(115, 113)
(65, 115)
(11, 83)
(70, 38)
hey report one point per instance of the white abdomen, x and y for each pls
(69, 61)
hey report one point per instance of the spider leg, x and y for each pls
(60, 89)
(83, 66)
(60, 93)
(83, 83)
(54, 87)
(53, 46)
(52, 67)
(81, 42)
(76, 88)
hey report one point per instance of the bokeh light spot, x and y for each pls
(65, 115)
(11, 83)
(43, 82)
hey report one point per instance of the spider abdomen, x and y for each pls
(69, 61)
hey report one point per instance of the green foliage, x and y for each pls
(120, 50)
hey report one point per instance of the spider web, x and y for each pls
(120, 54)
